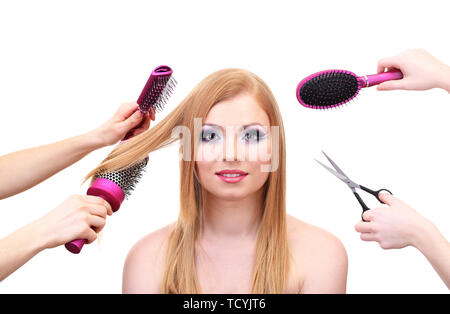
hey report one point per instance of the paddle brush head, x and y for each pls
(328, 89)
(157, 90)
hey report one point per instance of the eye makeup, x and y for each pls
(251, 133)
(210, 134)
(254, 134)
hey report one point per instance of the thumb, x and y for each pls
(391, 85)
(388, 63)
(387, 198)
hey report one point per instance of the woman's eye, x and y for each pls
(209, 136)
(254, 136)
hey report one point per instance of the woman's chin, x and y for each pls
(230, 195)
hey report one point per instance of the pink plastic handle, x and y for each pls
(110, 192)
(75, 246)
(376, 79)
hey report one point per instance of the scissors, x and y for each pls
(352, 185)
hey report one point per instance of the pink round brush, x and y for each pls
(157, 90)
(332, 88)
(113, 187)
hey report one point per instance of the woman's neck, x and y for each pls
(232, 219)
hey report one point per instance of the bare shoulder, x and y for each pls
(318, 256)
(311, 238)
(151, 244)
(144, 265)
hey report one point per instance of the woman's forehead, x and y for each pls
(240, 110)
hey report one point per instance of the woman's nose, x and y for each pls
(230, 149)
(233, 149)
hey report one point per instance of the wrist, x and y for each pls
(92, 140)
(444, 78)
(38, 238)
(425, 236)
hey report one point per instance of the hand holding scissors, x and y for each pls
(352, 185)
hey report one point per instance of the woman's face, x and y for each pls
(234, 147)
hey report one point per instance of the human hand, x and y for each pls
(127, 122)
(421, 71)
(394, 226)
(78, 217)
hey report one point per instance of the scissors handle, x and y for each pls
(375, 193)
(361, 202)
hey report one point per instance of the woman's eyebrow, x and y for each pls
(254, 123)
(244, 126)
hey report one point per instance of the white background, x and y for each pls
(65, 67)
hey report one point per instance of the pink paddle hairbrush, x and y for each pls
(113, 187)
(332, 88)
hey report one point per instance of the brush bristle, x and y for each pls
(158, 94)
(126, 178)
(329, 89)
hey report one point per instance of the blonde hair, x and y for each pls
(272, 256)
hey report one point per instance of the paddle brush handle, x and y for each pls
(379, 78)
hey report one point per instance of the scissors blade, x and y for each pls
(340, 174)
(335, 166)
(337, 174)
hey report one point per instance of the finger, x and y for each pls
(390, 69)
(368, 215)
(387, 198)
(94, 199)
(109, 210)
(152, 114)
(99, 201)
(127, 109)
(98, 229)
(131, 122)
(368, 236)
(389, 62)
(363, 227)
(391, 85)
(95, 222)
(146, 118)
(144, 126)
(90, 236)
(98, 210)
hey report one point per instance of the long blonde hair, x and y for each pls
(272, 256)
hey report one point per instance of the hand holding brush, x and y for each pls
(411, 70)
(115, 186)
(421, 71)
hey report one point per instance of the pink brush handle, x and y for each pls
(110, 192)
(375, 79)
(75, 246)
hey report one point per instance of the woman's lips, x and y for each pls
(231, 176)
